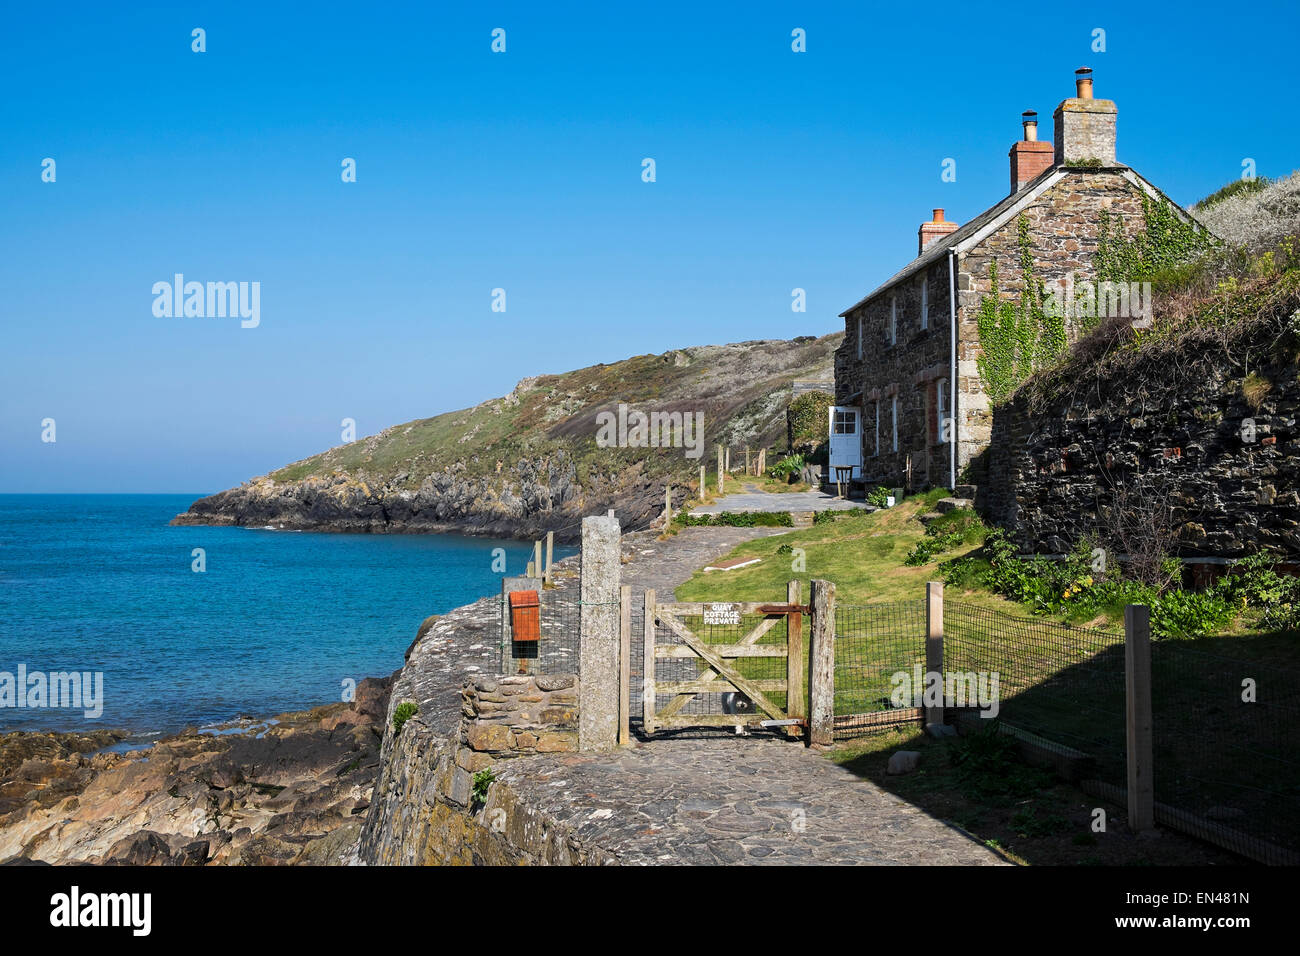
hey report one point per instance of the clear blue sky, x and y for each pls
(520, 170)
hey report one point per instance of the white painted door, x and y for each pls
(846, 439)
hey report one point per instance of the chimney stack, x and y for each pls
(1085, 127)
(1029, 157)
(934, 230)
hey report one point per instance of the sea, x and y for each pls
(196, 626)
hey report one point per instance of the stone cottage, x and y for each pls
(898, 420)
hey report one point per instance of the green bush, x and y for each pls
(1073, 589)
(808, 420)
(948, 531)
(739, 519)
(478, 796)
(878, 496)
(404, 712)
(787, 467)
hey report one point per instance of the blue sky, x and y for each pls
(519, 171)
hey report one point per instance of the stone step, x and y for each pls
(944, 505)
(802, 519)
(928, 517)
(964, 491)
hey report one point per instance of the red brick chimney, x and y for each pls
(934, 230)
(1029, 157)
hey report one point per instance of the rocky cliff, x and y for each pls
(530, 461)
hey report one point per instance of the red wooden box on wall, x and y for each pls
(525, 616)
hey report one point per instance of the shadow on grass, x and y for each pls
(980, 785)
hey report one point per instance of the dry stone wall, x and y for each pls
(1226, 470)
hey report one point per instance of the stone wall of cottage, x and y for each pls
(1225, 472)
(1064, 226)
(908, 367)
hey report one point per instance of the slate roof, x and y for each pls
(1010, 203)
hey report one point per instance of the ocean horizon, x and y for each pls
(193, 625)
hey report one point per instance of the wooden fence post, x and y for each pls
(1137, 686)
(702, 490)
(537, 565)
(648, 664)
(821, 703)
(796, 661)
(934, 644)
(668, 506)
(625, 667)
(721, 472)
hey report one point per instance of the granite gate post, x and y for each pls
(599, 691)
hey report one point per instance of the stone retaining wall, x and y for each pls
(1220, 454)
(520, 715)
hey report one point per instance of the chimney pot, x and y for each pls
(1029, 120)
(1083, 83)
(938, 215)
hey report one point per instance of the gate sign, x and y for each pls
(721, 614)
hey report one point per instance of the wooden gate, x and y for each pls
(720, 663)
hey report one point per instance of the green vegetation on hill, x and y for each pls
(741, 389)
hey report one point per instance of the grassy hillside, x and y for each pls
(742, 390)
(529, 462)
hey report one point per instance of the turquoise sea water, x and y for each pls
(277, 621)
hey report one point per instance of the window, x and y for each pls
(876, 448)
(941, 410)
(893, 320)
(846, 422)
(925, 305)
(859, 336)
(894, 404)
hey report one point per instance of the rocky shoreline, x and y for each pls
(524, 508)
(293, 789)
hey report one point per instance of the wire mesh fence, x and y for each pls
(1226, 744)
(557, 649)
(874, 642)
(1062, 683)
(1225, 765)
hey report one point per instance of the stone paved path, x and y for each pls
(749, 801)
(663, 565)
(779, 501)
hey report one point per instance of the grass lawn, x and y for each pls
(862, 553)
